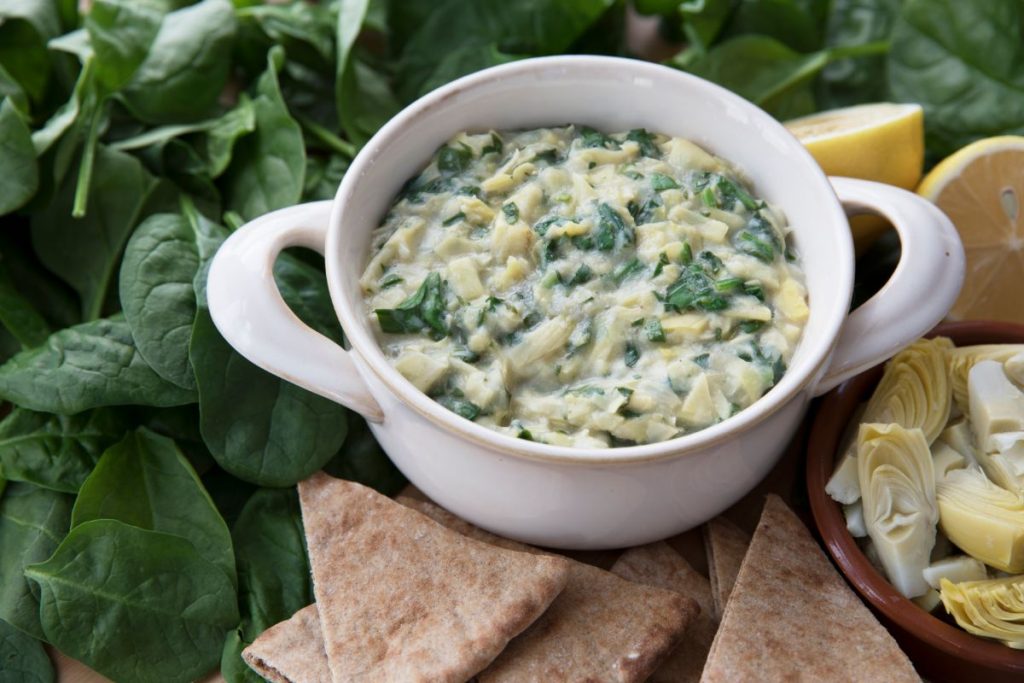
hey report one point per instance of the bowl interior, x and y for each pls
(830, 422)
(611, 94)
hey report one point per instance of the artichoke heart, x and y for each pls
(993, 608)
(914, 392)
(915, 389)
(984, 520)
(961, 361)
(897, 484)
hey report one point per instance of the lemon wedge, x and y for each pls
(883, 142)
(981, 189)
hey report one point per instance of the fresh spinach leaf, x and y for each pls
(91, 365)
(47, 295)
(273, 572)
(157, 272)
(456, 37)
(225, 131)
(770, 74)
(84, 99)
(12, 90)
(33, 522)
(18, 316)
(846, 82)
(146, 482)
(23, 54)
(364, 96)
(22, 658)
(19, 172)
(273, 433)
(120, 34)
(85, 251)
(798, 24)
(703, 21)
(362, 459)
(267, 171)
(134, 604)
(56, 451)
(187, 65)
(963, 63)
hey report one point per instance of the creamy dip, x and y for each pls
(585, 289)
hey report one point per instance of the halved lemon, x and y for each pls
(981, 189)
(883, 142)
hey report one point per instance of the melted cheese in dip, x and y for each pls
(585, 289)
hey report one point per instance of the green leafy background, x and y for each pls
(137, 445)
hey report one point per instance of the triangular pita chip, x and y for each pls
(791, 616)
(659, 565)
(292, 651)
(601, 627)
(726, 544)
(401, 598)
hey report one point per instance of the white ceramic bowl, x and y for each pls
(576, 497)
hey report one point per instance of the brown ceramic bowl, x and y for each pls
(940, 650)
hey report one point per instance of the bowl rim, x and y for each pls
(370, 357)
(829, 423)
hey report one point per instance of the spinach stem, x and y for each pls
(328, 138)
(84, 181)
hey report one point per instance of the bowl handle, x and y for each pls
(920, 292)
(249, 312)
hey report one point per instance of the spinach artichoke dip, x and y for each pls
(585, 289)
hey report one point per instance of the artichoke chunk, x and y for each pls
(992, 608)
(961, 361)
(996, 405)
(984, 520)
(957, 569)
(897, 486)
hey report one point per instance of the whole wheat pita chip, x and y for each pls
(726, 545)
(792, 617)
(401, 598)
(659, 565)
(291, 651)
(600, 628)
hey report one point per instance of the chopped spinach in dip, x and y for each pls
(580, 288)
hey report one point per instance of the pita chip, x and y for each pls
(726, 545)
(292, 651)
(600, 628)
(659, 565)
(791, 616)
(401, 598)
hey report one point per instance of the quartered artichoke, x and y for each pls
(993, 608)
(984, 520)
(961, 360)
(914, 393)
(897, 484)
